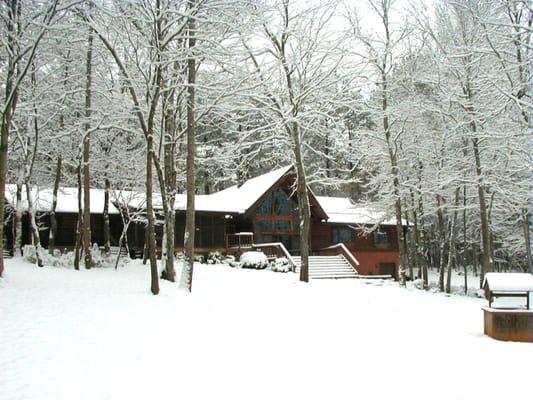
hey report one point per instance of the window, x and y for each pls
(263, 225)
(282, 225)
(341, 234)
(281, 203)
(381, 237)
(265, 208)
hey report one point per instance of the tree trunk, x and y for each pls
(187, 275)
(441, 243)
(53, 220)
(15, 73)
(34, 229)
(465, 243)
(486, 254)
(453, 235)
(6, 122)
(78, 246)
(150, 233)
(383, 68)
(86, 233)
(169, 150)
(11, 97)
(19, 212)
(303, 198)
(303, 204)
(107, 234)
(526, 217)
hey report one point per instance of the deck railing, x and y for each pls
(239, 241)
(340, 248)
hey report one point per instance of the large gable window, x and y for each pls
(276, 219)
(277, 204)
(265, 208)
(282, 204)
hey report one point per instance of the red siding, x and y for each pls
(369, 261)
(369, 254)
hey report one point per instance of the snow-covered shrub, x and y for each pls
(281, 265)
(57, 259)
(180, 257)
(99, 259)
(214, 258)
(419, 284)
(29, 253)
(229, 259)
(253, 259)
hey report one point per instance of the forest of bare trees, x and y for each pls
(419, 108)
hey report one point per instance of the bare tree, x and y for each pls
(146, 122)
(21, 48)
(382, 51)
(191, 149)
(86, 143)
(294, 68)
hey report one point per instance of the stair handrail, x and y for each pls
(283, 250)
(354, 262)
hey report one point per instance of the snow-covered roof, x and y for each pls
(509, 282)
(341, 210)
(233, 200)
(238, 199)
(67, 200)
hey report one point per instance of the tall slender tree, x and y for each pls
(191, 148)
(21, 43)
(86, 231)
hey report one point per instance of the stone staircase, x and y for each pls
(327, 267)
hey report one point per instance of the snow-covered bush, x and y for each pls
(180, 257)
(281, 265)
(99, 259)
(419, 284)
(229, 259)
(58, 259)
(253, 259)
(215, 257)
(29, 253)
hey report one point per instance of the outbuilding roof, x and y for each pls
(508, 282)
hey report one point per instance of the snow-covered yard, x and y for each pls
(244, 334)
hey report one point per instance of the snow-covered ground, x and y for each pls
(244, 334)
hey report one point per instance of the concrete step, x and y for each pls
(327, 267)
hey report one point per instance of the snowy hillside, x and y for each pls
(244, 334)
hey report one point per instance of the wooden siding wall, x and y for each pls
(66, 229)
(322, 236)
(375, 259)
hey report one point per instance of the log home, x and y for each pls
(261, 211)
